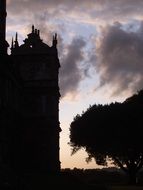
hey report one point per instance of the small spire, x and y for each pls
(56, 36)
(16, 40)
(55, 41)
(16, 36)
(33, 29)
(38, 32)
(12, 44)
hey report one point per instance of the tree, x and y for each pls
(112, 131)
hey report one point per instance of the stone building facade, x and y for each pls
(29, 102)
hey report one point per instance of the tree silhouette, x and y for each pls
(112, 131)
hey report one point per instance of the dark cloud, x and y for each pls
(118, 10)
(120, 58)
(93, 8)
(70, 73)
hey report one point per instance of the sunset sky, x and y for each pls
(100, 46)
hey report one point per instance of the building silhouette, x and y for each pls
(29, 102)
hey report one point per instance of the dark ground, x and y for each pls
(91, 179)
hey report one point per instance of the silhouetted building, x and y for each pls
(30, 95)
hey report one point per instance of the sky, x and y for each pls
(100, 48)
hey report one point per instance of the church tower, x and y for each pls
(38, 65)
(34, 91)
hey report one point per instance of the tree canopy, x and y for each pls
(112, 131)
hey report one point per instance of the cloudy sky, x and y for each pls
(100, 46)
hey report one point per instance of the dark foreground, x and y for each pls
(77, 179)
(63, 181)
(45, 182)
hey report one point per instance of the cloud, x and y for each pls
(117, 56)
(70, 73)
(120, 58)
(95, 9)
